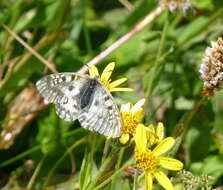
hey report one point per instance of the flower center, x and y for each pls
(130, 123)
(146, 160)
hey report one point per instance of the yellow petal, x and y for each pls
(93, 71)
(125, 107)
(107, 71)
(160, 131)
(170, 163)
(151, 136)
(138, 114)
(121, 89)
(138, 105)
(117, 82)
(163, 146)
(124, 138)
(140, 138)
(149, 181)
(151, 139)
(151, 128)
(163, 180)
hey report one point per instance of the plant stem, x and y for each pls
(35, 174)
(33, 149)
(105, 151)
(127, 4)
(118, 163)
(156, 70)
(31, 50)
(61, 159)
(102, 168)
(138, 28)
(19, 156)
(135, 184)
(114, 175)
(85, 29)
(184, 123)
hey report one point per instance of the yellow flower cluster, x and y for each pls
(131, 117)
(149, 140)
(151, 160)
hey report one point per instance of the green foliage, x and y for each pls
(161, 63)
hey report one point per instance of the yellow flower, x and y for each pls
(105, 77)
(155, 134)
(150, 160)
(131, 116)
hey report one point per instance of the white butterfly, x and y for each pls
(80, 97)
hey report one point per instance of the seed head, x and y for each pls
(173, 5)
(211, 69)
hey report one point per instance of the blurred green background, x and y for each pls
(161, 64)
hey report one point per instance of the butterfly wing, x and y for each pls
(102, 114)
(63, 89)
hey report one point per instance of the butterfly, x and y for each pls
(81, 97)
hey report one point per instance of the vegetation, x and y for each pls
(172, 116)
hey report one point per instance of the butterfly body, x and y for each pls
(87, 92)
(81, 97)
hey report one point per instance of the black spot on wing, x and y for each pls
(110, 107)
(63, 78)
(106, 98)
(75, 106)
(71, 87)
(96, 103)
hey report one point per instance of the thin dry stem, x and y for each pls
(30, 49)
(127, 5)
(138, 28)
(45, 40)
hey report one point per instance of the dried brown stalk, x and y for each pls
(138, 28)
(51, 66)
(21, 111)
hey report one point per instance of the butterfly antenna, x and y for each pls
(86, 65)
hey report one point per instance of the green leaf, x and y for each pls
(197, 142)
(84, 171)
(49, 133)
(212, 166)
